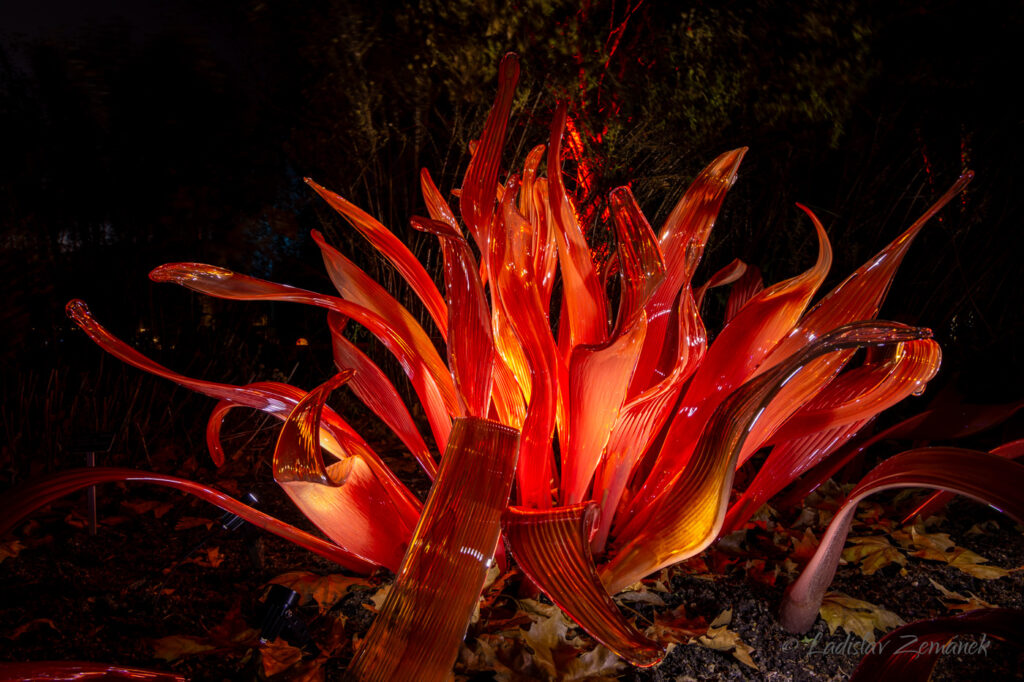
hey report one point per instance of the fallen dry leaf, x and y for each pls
(10, 549)
(643, 595)
(378, 597)
(675, 626)
(175, 646)
(957, 602)
(278, 656)
(804, 547)
(939, 547)
(872, 553)
(857, 617)
(597, 665)
(186, 522)
(31, 625)
(143, 506)
(325, 590)
(209, 558)
(720, 638)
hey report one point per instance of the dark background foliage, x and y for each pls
(134, 134)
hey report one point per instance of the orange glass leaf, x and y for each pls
(861, 294)
(526, 318)
(507, 396)
(479, 188)
(946, 419)
(688, 515)
(297, 456)
(356, 286)
(746, 288)
(640, 263)
(640, 421)
(426, 371)
(990, 479)
(598, 378)
(864, 391)
(470, 343)
(19, 503)
(682, 239)
(937, 501)
(727, 275)
(376, 391)
(546, 253)
(388, 245)
(370, 488)
(731, 360)
(585, 298)
(552, 547)
(868, 390)
(341, 499)
(424, 618)
(784, 464)
(437, 207)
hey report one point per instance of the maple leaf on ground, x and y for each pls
(143, 506)
(186, 522)
(233, 631)
(974, 564)
(325, 590)
(312, 670)
(210, 558)
(872, 553)
(857, 617)
(9, 550)
(804, 547)
(939, 547)
(175, 646)
(676, 627)
(759, 571)
(720, 638)
(278, 656)
(641, 594)
(957, 602)
(31, 625)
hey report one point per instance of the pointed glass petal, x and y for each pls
(388, 245)
(687, 517)
(990, 479)
(417, 633)
(552, 547)
(19, 503)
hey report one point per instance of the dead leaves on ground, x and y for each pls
(552, 648)
(720, 638)
(855, 616)
(939, 547)
(325, 590)
(872, 553)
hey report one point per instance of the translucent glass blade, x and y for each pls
(479, 188)
(377, 392)
(417, 633)
(470, 340)
(731, 360)
(19, 503)
(586, 301)
(388, 245)
(988, 478)
(552, 547)
(687, 516)
(861, 294)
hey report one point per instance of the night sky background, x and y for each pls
(133, 134)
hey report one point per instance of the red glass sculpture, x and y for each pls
(650, 420)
